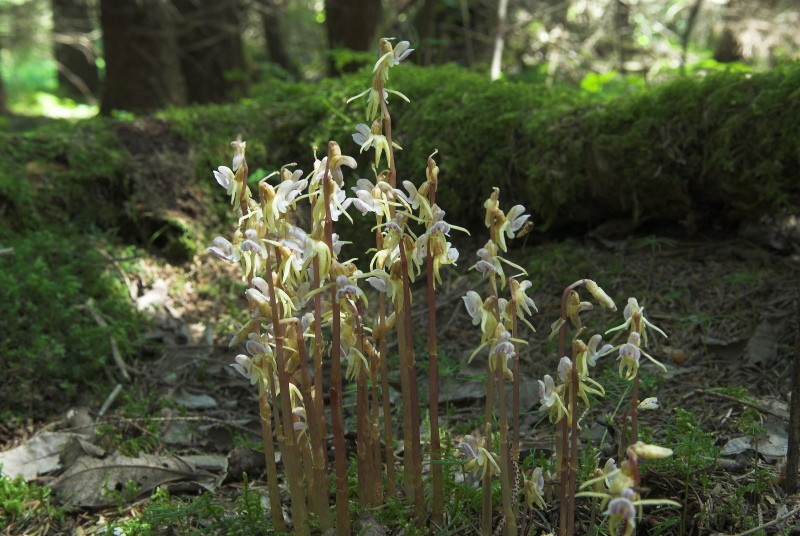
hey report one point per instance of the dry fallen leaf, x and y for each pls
(91, 482)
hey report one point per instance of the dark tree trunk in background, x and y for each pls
(352, 24)
(75, 51)
(142, 68)
(3, 105)
(622, 32)
(271, 11)
(425, 23)
(211, 54)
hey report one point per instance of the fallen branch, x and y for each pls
(753, 405)
(110, 400)
(775, 521)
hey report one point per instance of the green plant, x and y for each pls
(23, 506)
(200, 515)
(51, 286)
(135, 432)
(695, 454)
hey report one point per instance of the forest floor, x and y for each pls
(727, 300)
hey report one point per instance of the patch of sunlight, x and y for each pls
(49, 105)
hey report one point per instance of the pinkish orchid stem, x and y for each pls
(340, 460)
(569, 439)
(290, 454)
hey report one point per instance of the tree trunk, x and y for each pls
(425, 23)
(3, 103)
(273, 35)
(142, 68)
(211, 54)
(75, 51)
(496, 68)
(352, 24)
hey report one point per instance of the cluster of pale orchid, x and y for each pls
(304, 303)
(498, 316)
(280, 261)
(298, 287)
(560, 400)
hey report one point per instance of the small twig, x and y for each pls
(115, 353)
(185, 418)
(743, 402)
(6, 251)
(775, 521)
(110, 400)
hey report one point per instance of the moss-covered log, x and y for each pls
(727, 145)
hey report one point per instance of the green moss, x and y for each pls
(727, 142)
(52, 347)
(62, 173)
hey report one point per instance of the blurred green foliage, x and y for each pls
(24, 506)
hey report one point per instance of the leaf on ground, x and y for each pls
(772, 443)
(762, 348)
(91, 482)
(190, 401)
(36, 456)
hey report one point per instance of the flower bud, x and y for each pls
(649, 403)
(600, 295)
(650, 452)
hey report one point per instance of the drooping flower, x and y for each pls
(534, 489)
(511, 223)
(474, 305)
(621, 514)
(551, 400)
(479, 460)
(239, 147)
(372, 137)
(524, 304)
(635, 320)
(629, 356)
(346, 289)
(502, 352)
(281, 198)
(244, 366)
(223, 249)
(226, 179)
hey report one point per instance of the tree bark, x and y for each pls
(351, 24)
(271, 11)
(425, 23)
(3, 103)
(211, 54)
(142, 67)
(75, 52)
(496, 68)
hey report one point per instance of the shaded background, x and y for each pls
(73, 57)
